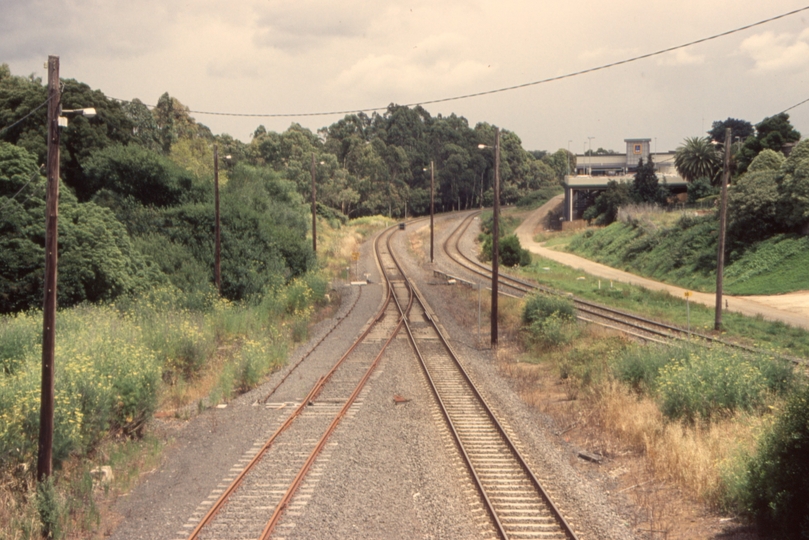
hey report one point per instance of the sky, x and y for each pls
(312, 56)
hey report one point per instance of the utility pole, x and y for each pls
(432, 206)
(45, 450)
(217, 245)
(314, 207)
(495, 235)
(723, 215)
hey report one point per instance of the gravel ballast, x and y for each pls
(390, 469)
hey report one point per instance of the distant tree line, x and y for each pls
(137, 197)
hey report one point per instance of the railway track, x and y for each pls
(518, 505)
(629, 323)
(252, 504)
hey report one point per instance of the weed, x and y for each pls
(777, 493)
(49, 508)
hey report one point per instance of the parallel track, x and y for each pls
(515, 500)
(629, 323)
(252, 504)
(516, 503)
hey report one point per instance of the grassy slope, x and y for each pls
(684, 254)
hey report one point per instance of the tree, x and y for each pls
(753, 202)
(148, 177)
(773, 132)
(793, 186)
(646, 187)
(738, 128)
(696, 158)
(605, 208)
(700, 188)
(97, 260)
(562, 162)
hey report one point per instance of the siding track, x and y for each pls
(591, 312)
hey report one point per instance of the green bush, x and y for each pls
(639, 366)
(707, 382)
(106, 379)
(512, 253)
(553, 331)
(540, 306)
(778, 490)
(550, 320)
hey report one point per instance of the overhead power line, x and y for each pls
(2, 130)
(31, 179)
(523, 85)
(796, 105)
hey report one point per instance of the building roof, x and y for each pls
(596, 182)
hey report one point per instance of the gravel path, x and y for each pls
(791, 309)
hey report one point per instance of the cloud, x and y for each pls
(772, 52)
(681, 57)
(305, 24)
(434, 65)
(607, 54)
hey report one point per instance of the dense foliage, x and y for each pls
(645, 188)
(778, 492)
(137, 199)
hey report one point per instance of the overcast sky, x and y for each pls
(309, 56)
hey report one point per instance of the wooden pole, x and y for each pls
(314, 207)
(432, 206)
(217, 231)
(723, 214)
(45, 450)
(495, 235)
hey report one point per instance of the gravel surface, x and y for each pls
(204, 449)
(390, 469)
(582, 499)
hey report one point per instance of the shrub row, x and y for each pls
(110, 360)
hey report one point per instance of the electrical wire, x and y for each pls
(796, 105)
(26, 116)
(518, 86)
(33, 175)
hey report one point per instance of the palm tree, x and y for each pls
(697, 158)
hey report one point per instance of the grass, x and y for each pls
(660, 305)
(680, 248)
(118, 364)
(693, 414)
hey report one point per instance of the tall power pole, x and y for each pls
(432, 205)
(217, 242)
(495, 236)
(314, 207)
(45, 450)
(723, 216)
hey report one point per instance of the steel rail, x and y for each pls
(564, 526)
(299, 477)
(587, 306)
(313, 393)
(311, 349)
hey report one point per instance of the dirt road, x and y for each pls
(792, 308)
